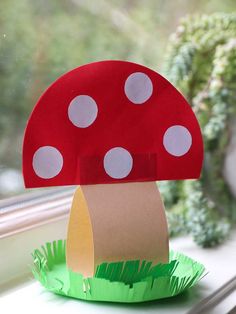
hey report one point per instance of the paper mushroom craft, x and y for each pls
(114, 128)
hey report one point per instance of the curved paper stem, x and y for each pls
(116, 222)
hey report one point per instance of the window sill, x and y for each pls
(33, 225)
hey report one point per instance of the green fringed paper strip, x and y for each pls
(131, 281)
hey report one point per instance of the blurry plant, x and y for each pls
(201, 218)
(201, 62)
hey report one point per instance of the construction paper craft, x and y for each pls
(114, 128)
(131, 281)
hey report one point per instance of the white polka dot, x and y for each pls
(177, 140)
(138, 88)
(118, 163)
(82, 111)
(47, 162)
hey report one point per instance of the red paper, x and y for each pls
(108, 122)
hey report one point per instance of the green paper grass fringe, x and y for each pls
(131, 281)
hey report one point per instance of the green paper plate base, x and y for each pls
(127, 282)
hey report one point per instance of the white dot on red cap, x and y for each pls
(118, 163)
(177, 140)
(47, 162)
(82, 111)
(138, 88)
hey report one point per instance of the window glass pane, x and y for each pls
(40, 40)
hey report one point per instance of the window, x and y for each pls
(41, 40)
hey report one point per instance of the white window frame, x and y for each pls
(27, 222)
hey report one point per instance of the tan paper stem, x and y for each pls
(116, 222)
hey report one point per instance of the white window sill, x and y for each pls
(19, 291)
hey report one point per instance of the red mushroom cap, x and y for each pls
(108, 122)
